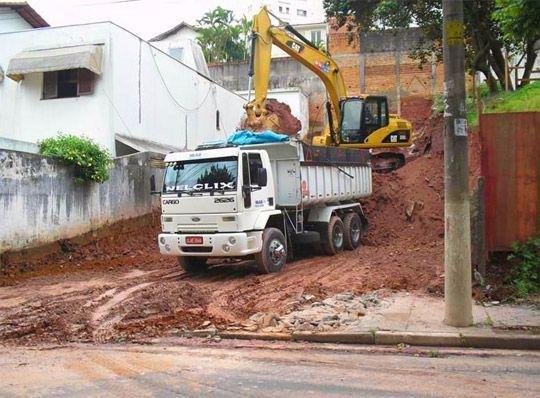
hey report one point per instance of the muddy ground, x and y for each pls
(121, 288)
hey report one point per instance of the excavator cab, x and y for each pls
(360, 117)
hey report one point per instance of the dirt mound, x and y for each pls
(407, 204)
(279, 117)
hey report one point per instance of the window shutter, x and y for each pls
(50, 85)
(86, 82)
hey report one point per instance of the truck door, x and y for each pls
(254, 182)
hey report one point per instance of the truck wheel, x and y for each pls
(192, 265)
(332, 236)
(353, 231)
(273, 255)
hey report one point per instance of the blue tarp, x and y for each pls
(245, 137)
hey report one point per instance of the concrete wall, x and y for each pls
(141, 93)
(11, 21)
(40, 202)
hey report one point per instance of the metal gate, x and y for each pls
(511, 168)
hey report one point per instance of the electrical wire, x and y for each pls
(170, 93)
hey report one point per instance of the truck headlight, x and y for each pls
(168, 248)
(232, 240)
(162, 240)
(226, 248)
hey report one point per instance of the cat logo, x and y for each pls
(295, 46)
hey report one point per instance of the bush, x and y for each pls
(526, 273)
(91, 162)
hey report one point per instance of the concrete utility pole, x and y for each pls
(457, 238)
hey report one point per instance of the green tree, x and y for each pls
(221, 36)
(216, 174)
(484, 42)
(519, 21)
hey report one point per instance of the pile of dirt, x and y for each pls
(279, 116)
(406, 206)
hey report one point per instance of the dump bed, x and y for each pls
(311, 176)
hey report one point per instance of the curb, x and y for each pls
(506, 341)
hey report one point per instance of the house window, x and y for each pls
(301, 13)
(67, 83)
(218, 122)
(316, 36)
(177, 53)
(287, 10)
(281, 9)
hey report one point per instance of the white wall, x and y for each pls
(157, 99)
(295, 98)
(11, 21)
(25, 116)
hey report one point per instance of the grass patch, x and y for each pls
(526, 272)
(526, 99)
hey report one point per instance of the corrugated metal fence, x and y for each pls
(511, 168)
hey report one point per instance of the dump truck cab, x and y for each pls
(218, 195)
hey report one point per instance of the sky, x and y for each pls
(146, 18)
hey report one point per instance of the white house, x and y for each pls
(101, 81)
(18, 15)
(180, 42)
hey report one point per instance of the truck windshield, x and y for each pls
(201, 175)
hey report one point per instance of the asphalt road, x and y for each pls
(232, 369)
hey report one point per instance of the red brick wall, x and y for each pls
(380, 71)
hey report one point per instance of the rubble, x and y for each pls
(333, 313)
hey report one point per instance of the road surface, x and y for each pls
(231, 369)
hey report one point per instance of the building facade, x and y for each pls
(101, 81)
(294, 12)
(19, 15)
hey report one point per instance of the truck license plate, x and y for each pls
(194, 240)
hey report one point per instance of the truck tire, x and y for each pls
(273, 255)
(353, 231)
(192, 265)
(332, 238)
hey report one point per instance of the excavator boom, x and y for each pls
(320, 63)
(360, 122)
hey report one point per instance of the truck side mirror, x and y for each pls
(262, 177)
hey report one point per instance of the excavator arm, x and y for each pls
(264, 36)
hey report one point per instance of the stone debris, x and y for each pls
(340, 311)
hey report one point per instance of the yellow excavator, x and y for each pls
(361, 122)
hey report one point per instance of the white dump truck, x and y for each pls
(259, 201)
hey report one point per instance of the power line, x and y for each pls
(170, 93)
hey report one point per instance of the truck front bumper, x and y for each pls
(236, 244)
